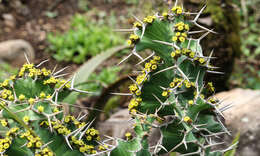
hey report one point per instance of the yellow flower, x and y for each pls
(26, 118)
(29, 144)
(201, 60)
(164, 93)
(172, 84)
(182, 39)
(186, 26)
(129, 42)
(190, 102)
(187, 119)
(128, 134)
(180, 28)
(31, 101)
(165, 14)
(89, 138)
(178, 52)
(192, 54)
(38, 144)
(42, 95)
(137, 25)
(173, 54)
(40, 109)
(138, 92)
(174, 38)
(6, 145)
(154, 67)
(4, 123)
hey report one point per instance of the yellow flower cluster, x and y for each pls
(134, 103)
(83, 147)
(44, 152)
(202, 96)
(140, 79)
(213, 100)
(7, 94)
(190, 54)
(180, 32)
(178, 82)
(103, 147)
(57, 82)
(5, 83)
(211, 87)
(4, 123)
(92, 134)
(177, 10)
(32, 71)
(5, 144)
(72, 119)
(133, 39)
(12, 131)
(149, 19)
(137, 25)
(35, 142)
(61, 129)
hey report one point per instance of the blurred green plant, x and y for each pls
(6, 70)
(247, 73)
(98, 81)
(84, 39)
(134, 2)
(83, 5)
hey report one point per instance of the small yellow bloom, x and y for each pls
(164, 93)
(129, 42)
(173, 54)
(154, 67)
(187, 119)
(180, 28)
(192, 54)
(182, 39)
(128, 134)
(42, 95)
(174, 38)
(201, 60)
(165, 14)
(40, 109)
(26, 118)
(31, 101)
(190, 102)
(172, 84)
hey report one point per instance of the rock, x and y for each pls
(117, 125)
(12, 51)
(243, 117)
(9, 20)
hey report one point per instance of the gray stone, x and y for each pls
(12, 51)
(117, 125)
(9, 20)
(243, 117)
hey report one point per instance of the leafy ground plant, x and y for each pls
(84, 38)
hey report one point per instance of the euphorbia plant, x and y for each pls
(169, 95)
